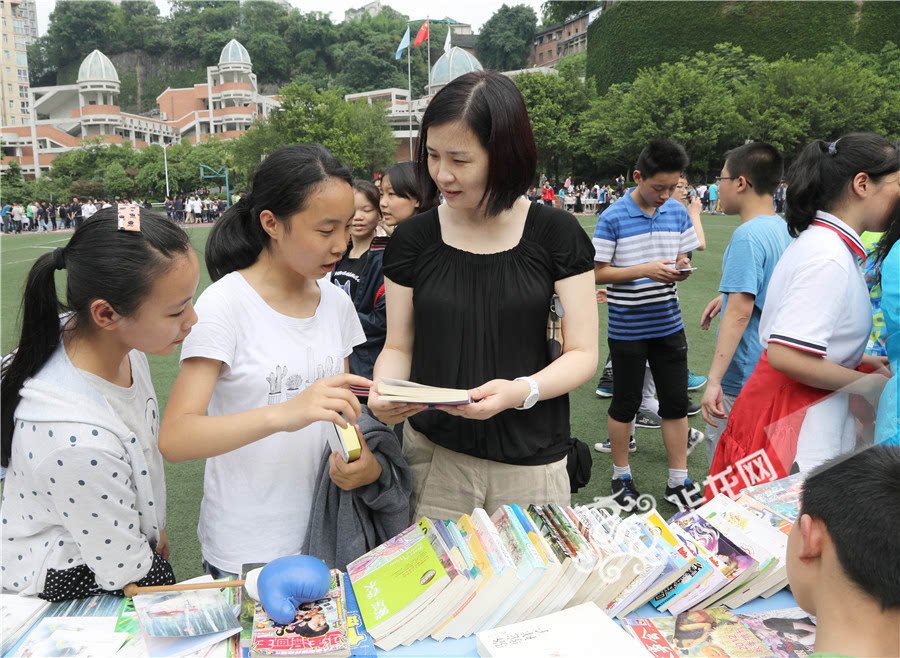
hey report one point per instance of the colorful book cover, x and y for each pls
(391, 580)
(712, 632)
(789, 633)
(693, 580)
(320, 627)
(730, 559)
(361, 643)
(781, 496)
(550, 534)
(780, 523)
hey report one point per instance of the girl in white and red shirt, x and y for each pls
(816, 320)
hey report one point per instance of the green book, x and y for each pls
(393, 581)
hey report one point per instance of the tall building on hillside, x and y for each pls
(63, 115)
(19, 29)
(553, 43)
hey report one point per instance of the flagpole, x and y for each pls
(428, 23)
(409, 98)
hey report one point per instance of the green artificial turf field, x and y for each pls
(185, 481)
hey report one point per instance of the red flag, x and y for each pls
(422, 35)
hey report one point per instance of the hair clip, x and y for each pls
(832, 148)
(129, 217)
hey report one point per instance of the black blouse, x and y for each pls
(480, 317)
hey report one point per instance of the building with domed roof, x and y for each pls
(63, 115)
(405, 116)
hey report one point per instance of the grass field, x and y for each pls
(185, 481)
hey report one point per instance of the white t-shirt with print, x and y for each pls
(256, 499)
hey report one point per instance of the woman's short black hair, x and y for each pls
(492, 107)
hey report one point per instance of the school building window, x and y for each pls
(23, 75)
(22, 59)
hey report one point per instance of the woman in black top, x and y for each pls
(468, 288)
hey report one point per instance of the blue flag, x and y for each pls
(404, 44)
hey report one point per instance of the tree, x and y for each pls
(116, 182)
(506, 41)
(77, 28)
(671, 101)
(555, 105)
(13, 184)
(357, 137)
(558, 12)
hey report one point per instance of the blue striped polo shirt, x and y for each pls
(625, 236)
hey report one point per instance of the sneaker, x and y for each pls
(695, 381)
(647, 420)
(605, 385)
(607, 447)
(624, 492)
(694, 408)
(684, 496)
(695, 437)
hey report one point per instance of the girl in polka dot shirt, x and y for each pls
(83, 508)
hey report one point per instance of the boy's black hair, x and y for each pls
(759, 163)
(858, 500)
(662, 155)
(405, 183)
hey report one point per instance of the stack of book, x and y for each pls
(453, 578)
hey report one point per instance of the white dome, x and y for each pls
(97, 67)
(449, 67)
(234, 53)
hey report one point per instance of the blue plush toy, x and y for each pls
(287, 582)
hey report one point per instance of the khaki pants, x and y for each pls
(447, 484)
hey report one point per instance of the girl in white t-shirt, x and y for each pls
(84, 504)
(266, 362)
(817, 317)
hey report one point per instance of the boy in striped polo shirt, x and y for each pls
(641, 245)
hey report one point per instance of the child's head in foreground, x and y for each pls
(846, 541)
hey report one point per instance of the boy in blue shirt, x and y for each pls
(640, 245)
(746, 187)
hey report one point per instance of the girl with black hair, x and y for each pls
(401, 197)
(84, 505)
(359, 274)
(469, 288)
(268, 360)
(817, 317)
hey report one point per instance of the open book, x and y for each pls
(398, 390)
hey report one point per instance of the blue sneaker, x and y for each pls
(605, 385)
(606, 447)
(684, 496)
(624, 493)
(695, 381)
(604, 392)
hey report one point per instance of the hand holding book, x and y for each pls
(357, 473)
(388, 411)
(490, 399)
(328, 399)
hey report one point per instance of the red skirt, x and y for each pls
(759, 443)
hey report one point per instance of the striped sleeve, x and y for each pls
(824, 283)
(689, 240)
(605, 237)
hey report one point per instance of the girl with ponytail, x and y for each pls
(796, 406)
(268, 360)
(84, 504)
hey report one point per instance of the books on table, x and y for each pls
(786, 633)
(398, 390)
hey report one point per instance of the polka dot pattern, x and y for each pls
(80, 582)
